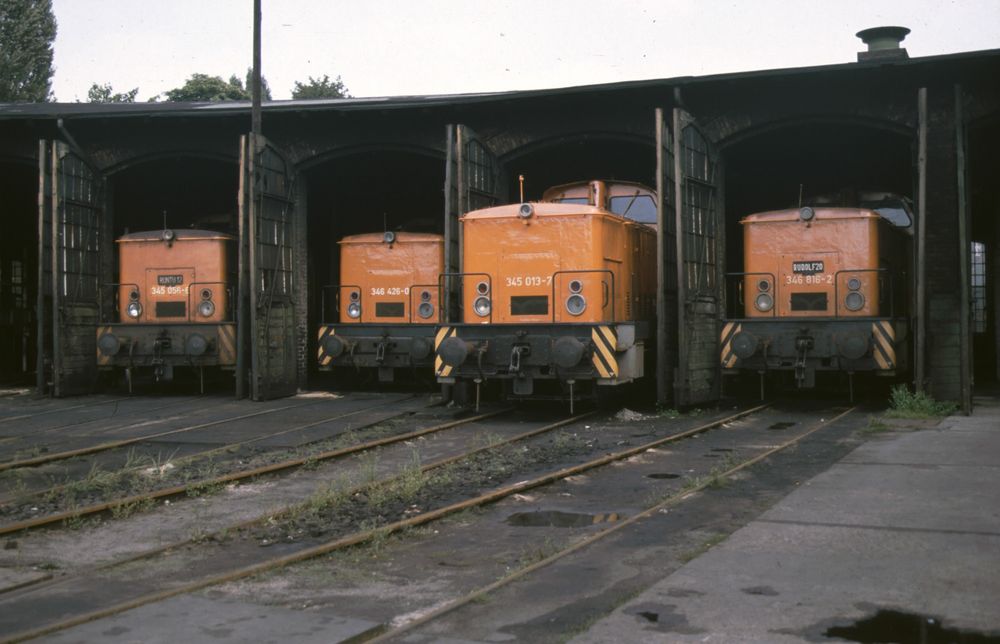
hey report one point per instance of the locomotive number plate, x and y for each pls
(169, 280)
(807, 268)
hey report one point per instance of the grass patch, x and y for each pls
(904, 403)
(874, 426)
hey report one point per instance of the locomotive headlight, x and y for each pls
(425, 310)
(525, 211)
(854, 284)
(763, 286)
(575, 286)
(354, 310)
(764, 302)
(206, 308)
(806, 214)
(483, 288)
(134, 309)
(425, 296)
(133, 295)
(854, 301)
(388, 237)
(576, 304)
(482, 306)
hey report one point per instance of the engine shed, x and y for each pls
(74, 177)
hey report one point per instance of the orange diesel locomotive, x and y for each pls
(823, 289)
(387, 304)
(174, 305)
(563, 290)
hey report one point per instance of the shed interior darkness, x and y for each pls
(18, 270)
(984, 205)
(579, 159)
(193, 192)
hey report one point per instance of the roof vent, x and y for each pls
(883, 44)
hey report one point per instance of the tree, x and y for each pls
(103, 94)
(27, 29)
(265, 89)
(320, 88)
(202, 87)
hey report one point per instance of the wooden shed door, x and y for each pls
(698, 213)
(666, 261)
(271, 234)
(74, 257)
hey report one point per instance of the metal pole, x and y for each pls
(964, 242)
(921, 270)
(255, 110)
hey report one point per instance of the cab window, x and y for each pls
(638, 208)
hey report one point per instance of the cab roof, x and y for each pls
(179, 234)
(401, 237)
(792, 214)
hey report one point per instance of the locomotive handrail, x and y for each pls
(413, 288)
(892, 298)
(742, 303)
(229, 298)
(586, 270)
(462, 276)
(322, 300)
(100, 299)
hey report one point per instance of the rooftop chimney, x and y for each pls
(883, 44)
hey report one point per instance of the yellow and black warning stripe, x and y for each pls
(227, 344)
(440, 368)
(884, 343)
(605, 344)
(321, 355)
(727, 355)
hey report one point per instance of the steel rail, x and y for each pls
(366, 535)
(7, 419)
(670, 501)
(232, 477)
(103, 447)
(104, 430)
(224, 448)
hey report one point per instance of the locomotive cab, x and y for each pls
(823, 288)
(558, 290)
(172, 306)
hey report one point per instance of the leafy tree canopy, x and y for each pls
(202, 87)
(27, 29)
(104, 94)
(320, 88)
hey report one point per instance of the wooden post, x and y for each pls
(921, 267)
(964, 242)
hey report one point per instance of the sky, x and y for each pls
(416, 47)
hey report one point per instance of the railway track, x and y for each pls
(303, 552)
(240, 473)
(199, 446)
(394, 630)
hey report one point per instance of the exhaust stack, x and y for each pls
(883, 44)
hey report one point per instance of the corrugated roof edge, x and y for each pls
(10, 111)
